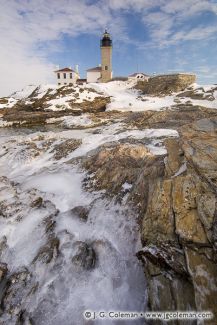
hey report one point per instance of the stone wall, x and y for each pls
(166, 84)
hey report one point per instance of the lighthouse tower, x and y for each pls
(106, 57)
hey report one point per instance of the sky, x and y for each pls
(151, 36)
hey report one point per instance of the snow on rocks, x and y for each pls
(123, 97)
(72, 121)
(43, 237)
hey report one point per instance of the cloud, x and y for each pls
(171, 22)
(29, 27)
(32, 30)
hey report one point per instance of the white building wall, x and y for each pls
(138, 77)
(66, 81)
(93, 76)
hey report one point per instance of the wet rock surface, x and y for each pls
(64, 148)
(80, 212)
(85, 256)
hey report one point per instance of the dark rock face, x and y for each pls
(3, 271)
(64, 148)
(80, 212)
(16, 285)
(84, 257)
(37, 203)
(48, 251)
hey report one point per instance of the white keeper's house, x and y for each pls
(100, 73)
(138, 76)
(94, 74)
(67, 76)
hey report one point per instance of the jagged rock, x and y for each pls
(166, 257)
(16, 291)
(116, 164)
(158, 222)
(3, 244)
(49, 224)
(204, 274)
(80, 212)
(180, 221)
(37, 203)
(199, 93)
(48, 251)
(3, 271)
(174, 159)
(64, 148)
(188, 224)
(35, 110)
(84, 257)
(201, 151)
(3, 100)
(24, 319)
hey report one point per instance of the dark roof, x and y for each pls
(65, 70)
(81, 81)
(95, 69)
(106, 40)
(135, 74)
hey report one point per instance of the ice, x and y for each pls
(126, 186)
(64, 291)
(72, 121)
(63, 188)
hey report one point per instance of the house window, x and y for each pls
(106, 67)
(65, 83)
(70, 76)
(59, 83)
(58, 75)
(64, 75)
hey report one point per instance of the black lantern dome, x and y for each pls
(106, 39)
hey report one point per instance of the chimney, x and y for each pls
(76, 69)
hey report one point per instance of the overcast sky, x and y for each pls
(153, 36)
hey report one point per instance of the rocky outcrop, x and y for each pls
(85, 256)
(175, 197)
(64, 148)
(179, 224)
(41, 105)
(166, 84)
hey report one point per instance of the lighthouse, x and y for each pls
(106, 57)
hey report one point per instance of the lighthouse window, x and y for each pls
(64, 75)
(106, 67)
(58, 75)
(70, 76)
